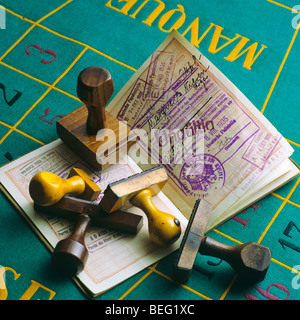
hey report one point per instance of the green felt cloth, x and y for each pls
(83, 33)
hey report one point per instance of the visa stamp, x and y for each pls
(263, 145)
(201, 174)
(134, 103)
(159, 76)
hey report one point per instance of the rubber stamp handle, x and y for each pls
(164, 228)
(47, 188)
(94, 88)
(70, 255)
(250, 260)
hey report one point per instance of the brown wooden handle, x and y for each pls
(94, 88)
(164, 228)
(250, 260)
(70, 255)
(81, 228)
(211, 247)
(47, 188)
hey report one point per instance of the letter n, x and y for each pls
(216, 37)
(194, 27)
(250, 56)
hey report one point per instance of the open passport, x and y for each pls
(187, 116)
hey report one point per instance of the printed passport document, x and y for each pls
(113, 256)
(191, 119)
(241, 156)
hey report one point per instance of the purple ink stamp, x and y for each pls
(134, 103)
(159, 76)
(201, 174)
(262, 147)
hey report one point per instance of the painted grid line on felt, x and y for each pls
(227, 236)
(67, 38)
(89, 47)
(229, 287)
(138, 282)
(43, 96)
(40, 81)
(135, 70)
(182, 285)
(285, 266)
(30, 28)
(22, 37)
(19, 40)
(279, 210)
(22, 133)
(48, 90)
(153, 269)
(76, 98)
(292, 142)
(54, 11)
(236, 276)
(283, 6)
(192, 290)
(23, 117)
(18, 15)
(288, 201)
(280, 68)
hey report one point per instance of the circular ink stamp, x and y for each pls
(202, 173)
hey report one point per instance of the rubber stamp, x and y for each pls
(250, 260)
(47, 188)
(138, 190)
(89, 127)
(70, 255)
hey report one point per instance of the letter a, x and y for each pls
(106, 153)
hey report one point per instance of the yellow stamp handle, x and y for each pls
(47, 188)
(164, 228)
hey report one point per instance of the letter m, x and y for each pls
(250, 52)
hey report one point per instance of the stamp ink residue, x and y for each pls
(202, 173)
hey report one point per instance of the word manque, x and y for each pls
(177, 16)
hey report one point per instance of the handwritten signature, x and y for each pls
(201, 77)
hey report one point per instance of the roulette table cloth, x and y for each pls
(43, 47)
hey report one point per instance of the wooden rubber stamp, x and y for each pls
(81, 129)
(138, 190)
(70, 255)
(49, 191)
(47, 188)
(251, 260)
(70, 208)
